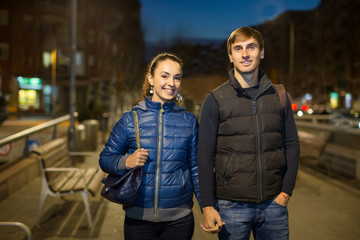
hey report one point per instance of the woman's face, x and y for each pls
(166, 80)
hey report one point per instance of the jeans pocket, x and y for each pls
(278, 204)
(226, 204)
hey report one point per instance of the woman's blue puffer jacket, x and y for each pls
(170, 174)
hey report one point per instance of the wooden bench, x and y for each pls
(60, 177)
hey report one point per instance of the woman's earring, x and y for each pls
(179, 98)
(151, 90)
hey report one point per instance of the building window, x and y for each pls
(79, 63)
(28, 20)
(91, 36)
(91, 61)
(4, 17)
(46, 59)
(4, 51)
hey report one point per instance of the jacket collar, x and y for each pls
(264, 81)
(148, 104)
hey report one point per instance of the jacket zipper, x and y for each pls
(259, 142)
(158, 163)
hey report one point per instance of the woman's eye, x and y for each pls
(164, 76)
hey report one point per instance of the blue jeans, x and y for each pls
(181, 229)
(267, 220)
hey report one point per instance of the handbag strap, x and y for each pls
(282, 94)
(136, 122)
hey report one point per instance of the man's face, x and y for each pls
(246, 55)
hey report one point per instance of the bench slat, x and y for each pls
(52, 157)
(71, 183)
(57, 184)
(95, 185)
(89, 175)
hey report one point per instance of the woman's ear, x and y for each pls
(150, 79)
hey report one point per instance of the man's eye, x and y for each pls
(237, 48)
(252, 47)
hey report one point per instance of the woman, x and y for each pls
(168, 136)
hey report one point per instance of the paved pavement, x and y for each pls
(321, 208)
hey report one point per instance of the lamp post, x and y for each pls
(72, 76)
(291, 50)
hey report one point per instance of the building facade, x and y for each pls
(316, 51)
(35, 53)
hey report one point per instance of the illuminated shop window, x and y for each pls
(28, 99)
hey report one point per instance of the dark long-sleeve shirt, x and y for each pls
(208, 130)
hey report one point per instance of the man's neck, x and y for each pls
(247, 80)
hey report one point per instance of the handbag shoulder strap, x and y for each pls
(136, 122)
(282, 94)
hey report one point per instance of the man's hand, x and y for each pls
(212, 220)
(138, 158)
(282, 199)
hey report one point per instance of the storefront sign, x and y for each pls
(29, 83)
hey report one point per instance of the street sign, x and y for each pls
(5, 149)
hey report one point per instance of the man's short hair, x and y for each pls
(243, 34)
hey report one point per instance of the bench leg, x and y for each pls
(87, 207)
(43, 195)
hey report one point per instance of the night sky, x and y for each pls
(168, 20)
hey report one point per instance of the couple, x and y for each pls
(241, 162)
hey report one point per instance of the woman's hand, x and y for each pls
(138, 158)
(212, 220)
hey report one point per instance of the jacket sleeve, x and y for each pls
(208, 129)
(116, 147)
(192, 153)
(292, 150)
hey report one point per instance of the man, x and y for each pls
(251, 141)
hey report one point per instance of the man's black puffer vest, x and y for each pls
(250, 160)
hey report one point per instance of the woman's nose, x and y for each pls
(171, 81)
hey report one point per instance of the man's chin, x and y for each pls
(246, 71)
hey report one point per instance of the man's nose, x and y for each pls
(245, 53)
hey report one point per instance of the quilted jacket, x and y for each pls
(170, 175)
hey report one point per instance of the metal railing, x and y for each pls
(19, 225)
(26, 133)
(327, 127)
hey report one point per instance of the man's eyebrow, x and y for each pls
(239, 44)
(253, 43)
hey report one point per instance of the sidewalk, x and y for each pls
(321, 208)
(65, 219)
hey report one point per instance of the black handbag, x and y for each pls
(124, 189)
